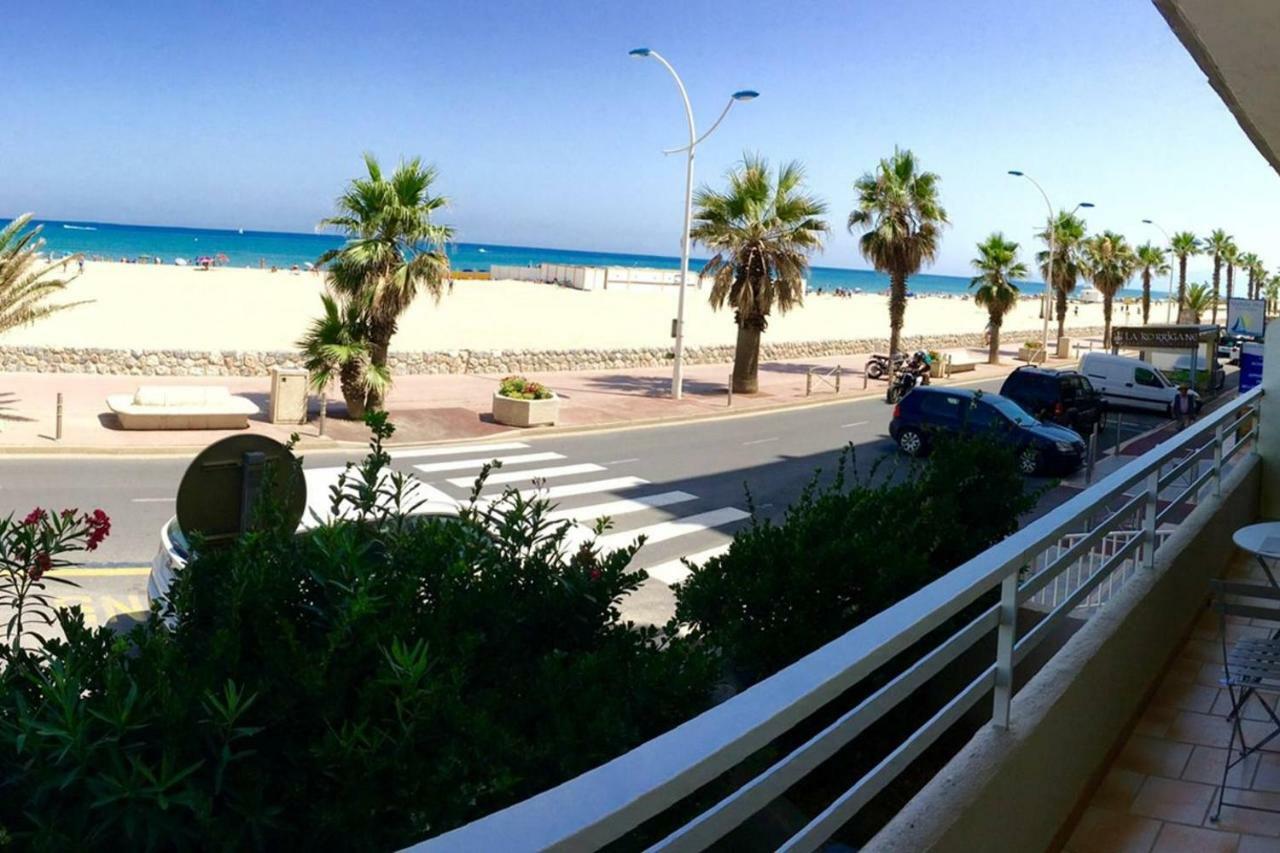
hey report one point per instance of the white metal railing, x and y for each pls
(1085, 567)
(1120, 517)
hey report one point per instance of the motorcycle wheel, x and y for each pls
(893, 395)
(875, 370)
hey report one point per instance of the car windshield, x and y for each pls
(1009, 409)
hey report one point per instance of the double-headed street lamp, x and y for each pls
(677, 374)
(1048, 279)
(1168, 307)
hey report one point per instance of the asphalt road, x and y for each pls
(682, 485)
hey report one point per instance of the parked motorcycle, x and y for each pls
(878, 365)
(903, 381)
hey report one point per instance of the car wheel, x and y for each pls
(911, 442)
(1029, 460)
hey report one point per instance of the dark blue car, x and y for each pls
(927, 412)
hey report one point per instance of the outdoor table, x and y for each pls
(1263, 542)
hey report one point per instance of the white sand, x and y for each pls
(166, 307)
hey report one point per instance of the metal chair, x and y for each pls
(1249, 664)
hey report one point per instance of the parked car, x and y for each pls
(1131, 382)
(1063, 397)
(926, 413)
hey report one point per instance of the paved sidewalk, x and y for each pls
(428, 408)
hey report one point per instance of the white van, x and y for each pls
(1130, 382)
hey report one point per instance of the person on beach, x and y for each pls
(80, 264)
(1183, 407)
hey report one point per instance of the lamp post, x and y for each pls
(677, 374)
(1048, 279)
(1168, 306)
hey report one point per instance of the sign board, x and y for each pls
(1161, 337)
(220, 488)
(1246, 317)
(1250, 366)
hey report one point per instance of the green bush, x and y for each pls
(362, 686)
(847, 550)
(519, 388)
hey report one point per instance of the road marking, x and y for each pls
(480, 462)
(459, 448)
(758, 441)
(620, 507)
(674, 571)
(613, 484)
(532, 474)
(665, 530)
(623, 461)
(121, 572)
(153, 500)
(854, 424)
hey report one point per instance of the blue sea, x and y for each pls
(106, 241)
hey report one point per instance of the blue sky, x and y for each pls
(545, 133)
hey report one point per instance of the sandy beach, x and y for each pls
(167, 307)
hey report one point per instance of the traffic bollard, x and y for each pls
(808, 381)
(324, 409)
(837, 379)
(730, 386)
(57, 422)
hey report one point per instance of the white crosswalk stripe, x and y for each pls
(623, 506)
(674, 571)
(480, 461)
(457, 448)
(665, 530)
(501, 477)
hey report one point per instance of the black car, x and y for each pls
(1063, 397)
(927, 412)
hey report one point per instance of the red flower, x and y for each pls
(34, 517)
(595, 574)
(99, 527)
(68, 513)
(43, 564)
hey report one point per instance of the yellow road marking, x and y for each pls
(122, 572)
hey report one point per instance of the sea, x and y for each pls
(245, 248)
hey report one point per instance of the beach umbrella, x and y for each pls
(182, 262)
(221, 259)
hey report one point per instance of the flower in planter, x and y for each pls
(519, 388)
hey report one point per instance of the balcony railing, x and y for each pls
(1061, 561)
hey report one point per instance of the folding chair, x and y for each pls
(1249, 664)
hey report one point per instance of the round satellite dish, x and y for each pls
(221, 487)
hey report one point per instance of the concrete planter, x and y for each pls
(525, 413)
(1031, 355)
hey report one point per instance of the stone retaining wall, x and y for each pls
(252, 363)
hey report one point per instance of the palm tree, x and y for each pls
(901, 217)
(1272, 290)
(1151, 260)
(1068, 232)
(1217, 245)
(997, 265)
(1184, 245)
(337, 344)
(1199, 298)
(762, 229)
(1231, 257)
(393, 249)
(1252, 265)
(1109, 262)
(26, 280)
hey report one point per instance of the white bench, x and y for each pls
(959, 361)
(181, 407)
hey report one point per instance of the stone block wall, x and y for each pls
(256, 363)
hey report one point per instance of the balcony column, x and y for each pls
(1269, 424)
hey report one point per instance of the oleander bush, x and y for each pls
(519, 388)
(362, 686)
(847, 549)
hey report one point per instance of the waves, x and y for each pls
(79, 227)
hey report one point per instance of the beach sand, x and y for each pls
(167, 307)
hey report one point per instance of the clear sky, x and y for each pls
(177, 112)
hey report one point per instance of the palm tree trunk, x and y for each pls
(993, 354)
(1231, 274)
(1182, 285)
(353, 391)
(1146, 296)
(746, 356)
(1060, 296)
(1217, 277)
(1106, 321)
(897, 310)
(379, 345)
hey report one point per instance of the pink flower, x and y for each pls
(43, 564)
(34, 517)
(99, 527)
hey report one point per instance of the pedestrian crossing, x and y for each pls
(676, 524)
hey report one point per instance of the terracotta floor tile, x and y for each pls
(1209, 674)
(1103, 831)
(1154, 757)
(1184, 669)
(1256, 844)
(1205, 765)
(1201, 729)
(1267, 777)
(1253, 709)
(1249, 821)
(1176, 838)
(1173, 800)
(1155, 721)
(1119, 787)
(1205, 651)
(1185, 696)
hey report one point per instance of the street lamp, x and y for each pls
(1048, 279)
(1168, 307)
(677, 374)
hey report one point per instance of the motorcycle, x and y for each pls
(878, 365)
(903, 382)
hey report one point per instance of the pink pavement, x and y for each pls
(425, 408)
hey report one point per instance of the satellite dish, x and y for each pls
(221, 487)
